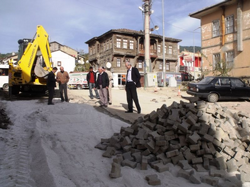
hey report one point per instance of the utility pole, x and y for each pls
(147, 61)
(163, 47)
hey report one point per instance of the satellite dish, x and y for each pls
(108, 65)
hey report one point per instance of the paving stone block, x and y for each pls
(126, 141)
(101, 146)
(150, 145)
(217, 173)
(193, 139)
(234, 180)
(144, 164)
(175, 159)
(163, 158)
(231, 165)
(128, 131)
(184, 164)
(127, 156)
(150, 125)
(188, 155)
(184, 126)
(206, 164)
(244, 177)
(208, 156)
(153, 180)
(182, 140)
(204, 129)
(115, 170)
(173, 153)
(137, 157)
(129, 163)
(246, 139)
(227, 184)
(211, 148)
(146, 152)
(210, 180)
(118, 159)
(197, 160)
(220, 163)
(194, 178)
(141, 134)
(194, 147)
(153, 115)
(208, 138)
(184, 174)
(161, 143)
(105, 140)
(160, 167)
(229, 151)
(199, 168)
(110, 151)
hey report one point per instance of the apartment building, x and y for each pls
(118, 46)
(225, 35)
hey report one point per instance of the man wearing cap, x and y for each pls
(110, 76)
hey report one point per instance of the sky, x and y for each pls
(73, 22)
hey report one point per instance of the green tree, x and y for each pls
(222, 68)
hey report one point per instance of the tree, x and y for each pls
(222, 68)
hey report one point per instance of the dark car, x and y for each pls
(215, 88)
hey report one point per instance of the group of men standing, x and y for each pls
(103, 83)
(62, 77)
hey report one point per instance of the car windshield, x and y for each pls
(206, 80)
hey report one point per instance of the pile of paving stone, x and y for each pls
(199, 137)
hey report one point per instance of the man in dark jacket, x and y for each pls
(51, 84)
(132, 82)
(91, 78)
(102, 84)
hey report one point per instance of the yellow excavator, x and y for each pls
(34, 63)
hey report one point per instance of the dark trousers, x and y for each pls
(132, 95)
(51, 90)
(63, 90)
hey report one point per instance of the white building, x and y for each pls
(60, 58)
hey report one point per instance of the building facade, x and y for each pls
(121, 45)
(225, 36)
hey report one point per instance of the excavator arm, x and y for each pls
(33, 65)
(27, 61)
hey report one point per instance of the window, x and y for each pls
(4, 72)
(225, 82)
(216, 59)
(160, 66)
(159, 48)
(110, 44)
(125, 44)
(107, 45)
(229, 23)
(139, 64)
(131, 44)
(165, 48)
(170, 50)
(118, 43)
(118, 62)
(216, 28)
(98, 48)
(104, 46)
(94, 50)
(167, 66)
(237, 83)
(59, 63)
(229, 57)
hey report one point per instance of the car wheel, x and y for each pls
(213, 97)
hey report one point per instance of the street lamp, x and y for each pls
(163, 48)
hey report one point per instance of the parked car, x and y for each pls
(217, 88)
